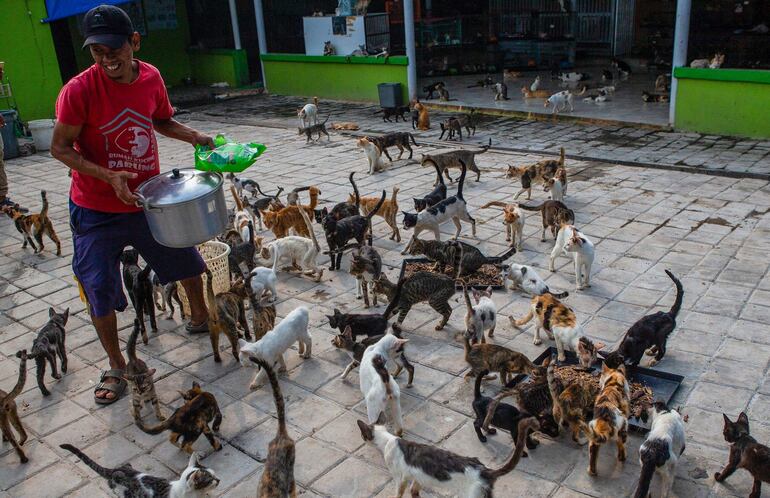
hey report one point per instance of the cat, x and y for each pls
(423, 117)
(387, 211)
(328, 48)
(595, 98)
(350, 126)
(360, 324)
(557, 185)
(654, 97)
(366, 266)
(9, 414)
(292, 198)
(241, 184)
(34, 226)
(373, 155)
(455, 159)
(49, 344)
(661, 84)
(295, 249)
(339, 211)
(277, 479)
(140, 291)
(194, 481)
(241, 216)
(308, 113)
(560, 323)
(526, 279)
(560, 101)
(534, 94)
(218, 322)
(570, 240)
(396, 139)
(494, 358)
(421, 286)
(232, 309)
(356, 351)
(535, 84)
(318, 128)
(611, 412)
(454, 208)
(450, 126)
(607, 75)
(713, 63)
(620, 66)
(650, 333)
(501, 91)
(190, 420)
(415, 115)
(393, 112)
(482, 317)
(513, 220)
(443, 93)
(243, 253)
(745, 453)
(433, 87)
(464, 258)
(339, 232)
(429, 466)
(381, 392)
(272, 345)
(554, 214)
(171, 294)
(541, 171)
(261, 280)
(289, 217)
(139, 378)
(263, 203)
(571, 77)
(437, 195)
(487, 81)
(573, 404)
(661, 451)
(262, 316)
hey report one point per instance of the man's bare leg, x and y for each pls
(107, 330)
(193, 287)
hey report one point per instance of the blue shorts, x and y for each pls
(99, 239)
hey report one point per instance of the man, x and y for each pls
(104, 132)
(4, 200)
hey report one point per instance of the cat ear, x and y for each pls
(605, 368)
(51, 312)
(727, 420)
(489, 290)
(150, 372)
(599, 345)
(367, 431)
(348, 332)
(196, 386)
(242, 344)
(743, 419)
(193, 461)
(523, 270)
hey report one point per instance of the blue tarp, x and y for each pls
(59, 9)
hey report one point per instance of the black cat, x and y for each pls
(361, 324)
(396, 112)
(140, 289)
(433, 87)
(49, 344)
(438, 194)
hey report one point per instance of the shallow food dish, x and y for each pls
(490, 274)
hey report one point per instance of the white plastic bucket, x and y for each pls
(42, 133)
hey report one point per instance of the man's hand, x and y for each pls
(119, 182)
(201, 139)
(2, 121)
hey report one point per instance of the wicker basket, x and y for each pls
(214, 254)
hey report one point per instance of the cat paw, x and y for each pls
(483, 439)
(217, 359)
(537, 342)
(718, 477)
(409, 386)
(56, 376)
(591, 472)
(492, 431)
(652, 363)
(561, 358)
(24, 459)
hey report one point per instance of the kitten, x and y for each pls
(661, 451)
(195, 480)
(560, 101)
(494, 358)
(482, 317)
(557, 185)
(560, 323)
(423, 117)
(139, 287)
(393, 112)
(339, 232)
(277, 479)
(356, 351)
(745, 453)
(534, 94)
(437, 195)
(34, 225)
(289, 217)
(309, 113)
(318, 128)
(190, 420)
(271, 347)
(218, 322)
(526, 279)
(373, 155)
(380, 390)
(554, 214)
(541, 171)
(433, 87)
(501, 91)
(573, 404)
(650, 333)
(366, 266)
(421, 286)
(261, 280)
(139, 377)
(49, 344)
(9, 415)
(654, 97)
(455, 159)
(454, 208)
(387, 211)
(570, 240)
(513, 219)
(620, 66)
(425, 465)
(360, 324)
(611, 412)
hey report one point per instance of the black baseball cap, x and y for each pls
(107, 25)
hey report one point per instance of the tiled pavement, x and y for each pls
(711, 231)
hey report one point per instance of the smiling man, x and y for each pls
(106, 118)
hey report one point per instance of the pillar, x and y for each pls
(234, 23)
(681, 37)
(261, 37)
(411, 70)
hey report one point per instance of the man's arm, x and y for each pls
(64, 137)
(174, 129)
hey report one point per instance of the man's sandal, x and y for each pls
(116, 388)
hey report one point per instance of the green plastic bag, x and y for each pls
(227, 156)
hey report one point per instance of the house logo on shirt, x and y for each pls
(128, 139)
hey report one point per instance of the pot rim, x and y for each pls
(147, 205)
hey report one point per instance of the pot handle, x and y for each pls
(142, 203)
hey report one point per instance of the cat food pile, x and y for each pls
(488, 274)
(641, 395)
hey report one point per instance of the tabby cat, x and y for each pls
(262, 316)
(217, 323)
(555, 214)
(418, 287)
(366, 266)
(494, 358)
(454, 159)
(318, 128)
(464, 258)
(231, 307)
(34, 225)
(139, 377)
(9, 415)
(399, 139)
(573, 404)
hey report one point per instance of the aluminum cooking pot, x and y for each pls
(184, 207)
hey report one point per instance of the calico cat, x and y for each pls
(366, 266)
(195, 480)
(277, 479)
(534, 94)
(387, 211)
(457, 159)
(573, 404)
(541, 171)
(454, 208)
(437, 195)
(513, 219)
(393, 112)
(396, 139)
(139, 377)
(481, 317)
(654, 97)
(425, 465)
(611, 412)
(501, 91)
(360, 324)
(262, 316)
(661, 451)
(139, 286)
(34, 225)
(318, 128)
(650, 333)
(217, 322)
(49, 344)
(190, 420)
(9, 415)
(745, 453)
(356, 351)
(570, 240)
(554, 214)
(241, 216)
(494, 358)
(433, 87)
(289, 217)
(557, 185)
(420, 286)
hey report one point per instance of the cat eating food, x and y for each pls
(573, 404)
(33, 225)
(611, 412)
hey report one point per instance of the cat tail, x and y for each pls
(495, 204)
(155, 429)
(467, 297)
(532, 208)
(461, 181)
(22, 378)
(280, 408)
(394, 302)
(486, 147)
(238, 201)
(210, 297)
(44, 210)
(378, 112)
(377, 206)
(553, 387)
(394, 195)
(650, 460)
(315, 101)
(438, 172)
(102, 471)
(561, 157)
(526, 426)
(145, 273)
(355, 190)
(131, 345)
(378, 362)
(507, 254)
(413, 141)
(558, 295)
(309, 226)
(679, 295)
(477, 385)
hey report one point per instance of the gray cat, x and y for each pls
(454, 159)
(319, 128)
(420, 286)
(366, 266)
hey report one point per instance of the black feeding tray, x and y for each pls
(663, 384)
(495, 260)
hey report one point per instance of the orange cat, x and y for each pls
(282, 220)
(611, 412)
(423, 121)
(388, 211)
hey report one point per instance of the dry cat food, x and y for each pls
(488, 274)
(641, 395)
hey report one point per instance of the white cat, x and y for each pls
(525, 278)
(535, 84)
(270, 348)
(308, 113)
(560, 101)
(660, 452)
(569, 239)
(195, 481)
(242, 217)
(373, 155)
(380, 390)
(263, 279)
(557, 185)
(294, 249)
(481, 317)
(607, 90)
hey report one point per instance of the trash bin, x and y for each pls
(10, 142)
(42, 133)
(390, 94)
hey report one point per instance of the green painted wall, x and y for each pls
(216, 65)
(723, 101)
(27, 49)
(333, 77)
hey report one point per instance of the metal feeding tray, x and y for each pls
(496, 260)
(663, 384)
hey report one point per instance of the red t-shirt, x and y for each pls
(117, 130)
